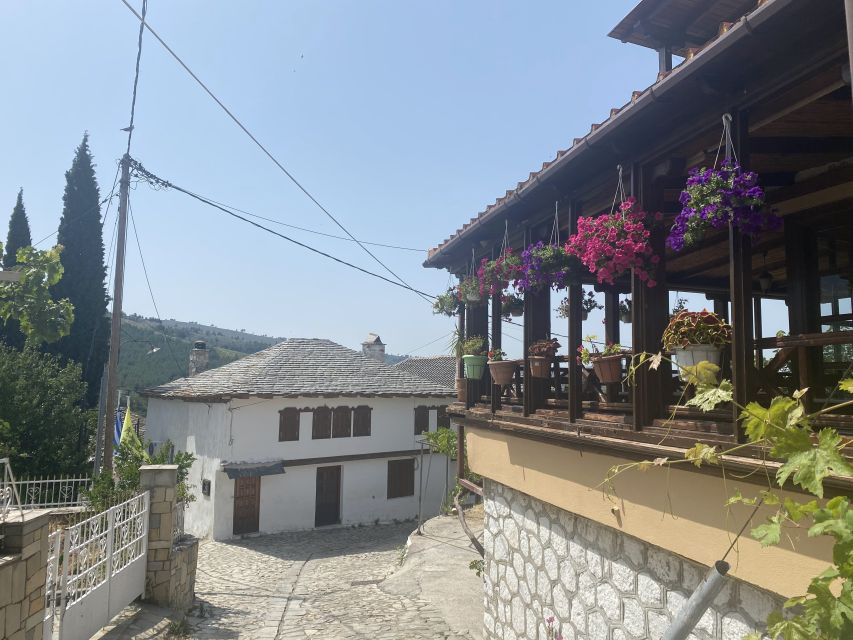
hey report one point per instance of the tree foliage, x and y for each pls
(85, 273)
(42, 427)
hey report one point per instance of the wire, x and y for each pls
(267, 152)
(151, 178)
(444, 337)
(136, 73)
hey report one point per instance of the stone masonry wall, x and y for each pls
(599, 583)
(23, 568)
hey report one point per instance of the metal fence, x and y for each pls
(9, 498)
(52, 492)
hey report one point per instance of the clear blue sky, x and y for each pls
(403, 118)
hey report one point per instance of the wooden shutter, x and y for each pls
(421, 420)
(322, 423)
(443, 420)
(401, 478)
(288, 424)
(342, 422)
(361, 421)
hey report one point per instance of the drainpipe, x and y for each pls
(848, 13)
(698, 603)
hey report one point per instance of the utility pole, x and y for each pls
(115, 327)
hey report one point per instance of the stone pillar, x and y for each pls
(171, 566)
(23, 570)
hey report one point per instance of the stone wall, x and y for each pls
(23, 569)
(597, 582)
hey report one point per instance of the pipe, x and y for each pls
(699, 602)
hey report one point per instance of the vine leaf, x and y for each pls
(709, 396)
(702, 453)
(654, 363)
(846, 385)
(770, 532)
(809, 467)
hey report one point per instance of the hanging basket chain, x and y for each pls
(555, 229)
(619, 195)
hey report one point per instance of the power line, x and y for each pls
(275, 161)
(159, 182)
(136, 74)
(444, 337)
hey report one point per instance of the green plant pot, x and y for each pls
(474, 366)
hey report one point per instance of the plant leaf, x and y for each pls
(768, 533)
(709, 396)
(700, 453)
(846, 385)
(809, 468)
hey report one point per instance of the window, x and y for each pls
(401, 478)
(322, 423)
(342, 422)
(443, 420)
(361, 421)
(421, 420)
(288, 424)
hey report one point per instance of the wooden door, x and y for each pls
(328, 509)
(247, 505)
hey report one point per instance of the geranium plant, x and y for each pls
(512, 305)
(613, 244)
(546, 265)
(494, 276)
(447, 303)
(496, 355)
(714, 197)
(544, 348)
(696, 327)
(587, 354)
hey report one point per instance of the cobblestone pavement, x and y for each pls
(319, 584)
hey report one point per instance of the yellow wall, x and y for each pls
(679, 510)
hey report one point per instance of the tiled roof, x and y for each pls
(438, 369)
(301, 367)
(598, 130)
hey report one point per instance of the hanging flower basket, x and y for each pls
(625, 311)
(494, 276)
(714, 198)
(469, 291)
(546, 265)
(611, 245)
(447, 303)
(512, 305)
(588, 303)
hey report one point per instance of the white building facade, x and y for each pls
(273, 455)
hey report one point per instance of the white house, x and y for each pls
(303, 434)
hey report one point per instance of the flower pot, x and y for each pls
(474, 366)
(473, 297)
(608, 369)
(461, 389)
(625, 316)
(516, 313)
(584, 315)
(693, 354)
(502, 371)
(540, 366)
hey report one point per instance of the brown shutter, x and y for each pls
(361, 421)
(443, 419)
(288, 424)
(342, 423)
(421, 420)
(401, 478)
(322, 423)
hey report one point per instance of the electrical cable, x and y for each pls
(275, 161)
(444, 337)
(136, 73)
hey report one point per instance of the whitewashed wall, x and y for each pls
(247, 430)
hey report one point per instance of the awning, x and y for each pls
(252, 469)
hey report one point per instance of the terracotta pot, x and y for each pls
(693, 354)
(474, 366)
(461, 389)
(625, 316)
(516, 313)
(608, 369)
(540, 366)
(502, 371)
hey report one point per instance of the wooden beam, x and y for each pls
(611, 335)
(575, 329)
(780, 145)
(497, 325)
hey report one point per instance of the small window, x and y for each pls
(288, 424)
(443, 420)
(205, 488)
(361, 421)
(421, 420)
(322, 423)
(342, 422)
(401, 478)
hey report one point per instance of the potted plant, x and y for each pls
(614, 244)
(494, 276)
(456, 350)
(447, 303)
(502, 370)
(715, 198)
(474, 356)
(546, 265)
(625, 314)
(469, 290)
(588, 304)
(512, 305)
(540, 355)
(696, 336)
(680, 305)
(606, 363)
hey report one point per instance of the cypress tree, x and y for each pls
(80, 234)
(19, 236)
(19, 233)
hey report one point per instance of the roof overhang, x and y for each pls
(253, 469)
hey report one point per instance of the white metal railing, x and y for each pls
(10, 500)
(53, 492)
(178, 521)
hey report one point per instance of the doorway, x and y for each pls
(328, 509)
(247, 505)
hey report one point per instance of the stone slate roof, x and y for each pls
(301, 367)
(438, 369)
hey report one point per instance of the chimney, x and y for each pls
(373, 347)
(198, 357)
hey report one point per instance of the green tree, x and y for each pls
(43, 429)
(84, 284)
(19, 237)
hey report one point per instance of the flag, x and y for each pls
(117, 429)
(128, 437)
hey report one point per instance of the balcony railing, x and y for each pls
(53, 492)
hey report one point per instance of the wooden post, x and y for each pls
(497, 325)
(477, 321)
(460, 451)
(611, 334)
(575, 326)
(756, 314)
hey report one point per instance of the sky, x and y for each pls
(404, 119)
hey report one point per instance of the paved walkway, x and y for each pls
(327, 584)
